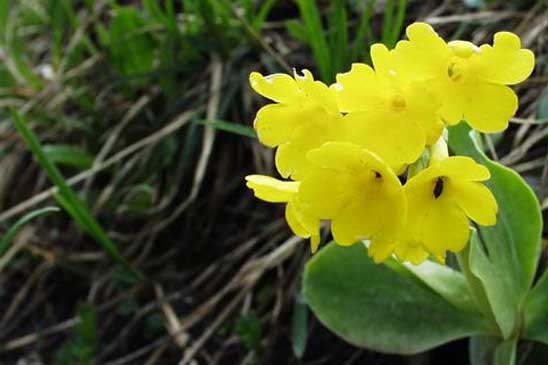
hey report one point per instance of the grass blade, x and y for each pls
(10, 234)
(261, 16)
(310, 14)
(394, 17)
(398, 23)
(75, 207)
(230, 127)
(386, 34)
(339, 36)
(364, 35)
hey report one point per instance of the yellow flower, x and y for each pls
(301, 221)
(440, 200)
(304, 116)
(387, 114)
(357, 191)
(469, 80)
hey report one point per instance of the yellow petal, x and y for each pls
(326, 191)
(424, 56)
(505, 62)
(453, 99)
(303, 222)
(422, 108)
(393, 137)
(280, 88)
(317, 91)
(475, 199)
(345, 174)
(293, 222)
(352, 159)
(272, 190)
(291, 157)
(314, 243)
(463, 49)
(373, 214)
(306, 216)
(445, 227)
(382, 59)
(358, 89)
(275, 123)
(380, 250)
(489, 106)
(438, 223)
(464, 168)
(413, 253)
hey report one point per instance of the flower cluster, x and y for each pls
(344, 149)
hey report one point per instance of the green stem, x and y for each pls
(475, 285)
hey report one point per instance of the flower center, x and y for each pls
(398, 103)
(454, 72)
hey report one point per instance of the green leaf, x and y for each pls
(486, 350)
(375, 307)
(536, 312)
(63, 154)
(505, 353)
(481, 349)
(512, 246)
(448, 283)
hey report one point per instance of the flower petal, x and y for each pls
(272, 190)
(358, 89)
(291, 157)
(280, 88)
(464, 168)
(506, 62)
(294, 223)
(422, 108)
(317, 91)
(326, 192)
(424, 56)
(439, 224)
(373, 215)
(382, 59)
(489, 106)
(475, 199)
(395, 139)
(413, 253)
(380, 250)
(275, 123)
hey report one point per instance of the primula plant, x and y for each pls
(429, 246)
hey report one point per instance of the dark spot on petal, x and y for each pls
(438, 189)
(378, 175)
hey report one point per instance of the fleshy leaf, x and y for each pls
(447, 282)
(505, 256)
(376, 307)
